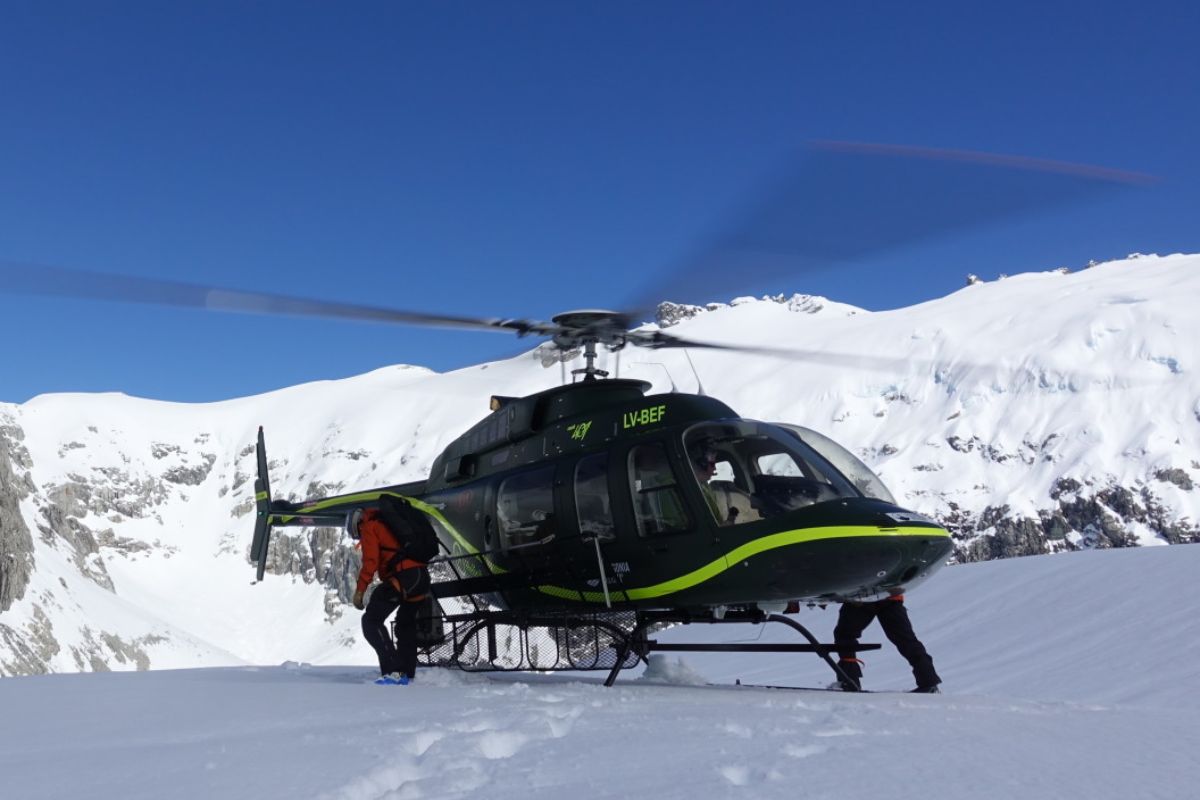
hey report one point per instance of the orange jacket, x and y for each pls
(378, 548)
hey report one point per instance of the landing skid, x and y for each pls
(489, 640)
(500, 641)
(637, 641)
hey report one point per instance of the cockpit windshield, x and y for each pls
(845, 462)
(752, 470)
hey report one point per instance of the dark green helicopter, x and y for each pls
(600, 496)
(576, 520)
(595, 507)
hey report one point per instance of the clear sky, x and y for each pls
(519, 159)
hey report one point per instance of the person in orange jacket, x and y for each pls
(853, 619)
(402, 586)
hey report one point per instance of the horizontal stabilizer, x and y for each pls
(484, 584)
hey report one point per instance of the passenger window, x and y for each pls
(657, 503)
(525, 508)
(591, 498)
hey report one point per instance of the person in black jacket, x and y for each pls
(854, 618)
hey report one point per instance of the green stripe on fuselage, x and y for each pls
(689, 580)
(740, 554)
(420, 505)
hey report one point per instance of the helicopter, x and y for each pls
(575, 521)
(595, 500)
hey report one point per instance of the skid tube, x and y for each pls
(488, 620)
(637, 641)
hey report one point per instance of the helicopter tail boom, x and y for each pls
(330, 512)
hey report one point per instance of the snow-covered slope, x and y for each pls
(1066, 676)
(1045, 411)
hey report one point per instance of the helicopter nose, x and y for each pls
(871, 563)
(902, 562)
(864, 566)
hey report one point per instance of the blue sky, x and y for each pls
(519, 159)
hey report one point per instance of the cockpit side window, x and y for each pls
(721, 472)
(657, 502)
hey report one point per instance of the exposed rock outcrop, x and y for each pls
(191, 475)
(317, 555)
(1084, 517)
(60, 519)
(110, 490)
(100, 649)
(16, 543)
(29, 648)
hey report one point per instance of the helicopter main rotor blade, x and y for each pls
(843, 201)
(1076, 379)
(857, 361)
(657, 340)
(62, 282)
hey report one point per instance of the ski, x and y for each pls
(739, 685)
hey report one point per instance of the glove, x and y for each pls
(358, 600)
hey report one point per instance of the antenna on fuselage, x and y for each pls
(699, 386)
(674, 388)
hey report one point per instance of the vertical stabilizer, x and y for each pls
(262, 507)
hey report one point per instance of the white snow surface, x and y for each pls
(1088, 375)
(1066, 676)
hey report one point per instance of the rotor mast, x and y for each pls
(587, 329)
(590, 371)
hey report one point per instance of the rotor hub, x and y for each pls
(591, 326)
(588, 328)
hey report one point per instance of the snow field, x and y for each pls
(1055, 688)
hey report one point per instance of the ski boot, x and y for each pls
(851, 678)
(391, 679)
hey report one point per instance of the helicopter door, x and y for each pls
(660, 537)
(666, 537)
(601, 562)
(658, 506)
(533, 536)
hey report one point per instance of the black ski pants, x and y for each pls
(401, 655)
(854, 618)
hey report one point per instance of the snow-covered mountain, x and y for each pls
(1041, 412)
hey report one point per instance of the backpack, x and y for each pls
(412, 529)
